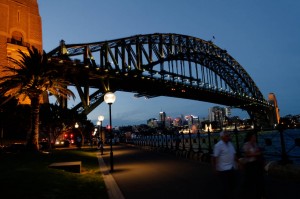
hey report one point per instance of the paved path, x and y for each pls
(144, 174)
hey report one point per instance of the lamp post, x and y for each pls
(99, 123)
(79, 140)
(110, 98)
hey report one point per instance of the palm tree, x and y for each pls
(31, 76)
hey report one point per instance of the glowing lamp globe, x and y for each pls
(109, 98)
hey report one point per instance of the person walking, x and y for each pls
(253, 168)
(224, 163)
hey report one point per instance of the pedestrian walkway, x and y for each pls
(145, 174)
(112, 188)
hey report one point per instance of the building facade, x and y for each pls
(20, 27)
(218, 113)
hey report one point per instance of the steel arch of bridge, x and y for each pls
(160, 65)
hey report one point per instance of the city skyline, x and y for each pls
(261, 36)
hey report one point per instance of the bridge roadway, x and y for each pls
(140, 173)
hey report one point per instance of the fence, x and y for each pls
(277, 145)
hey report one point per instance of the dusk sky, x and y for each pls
(263, 36)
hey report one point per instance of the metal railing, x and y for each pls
(283, 146)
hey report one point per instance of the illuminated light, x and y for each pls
(109, 98)
(126, 74)
(61, 61)
(183, 90)
(100, 118)
(86, 66)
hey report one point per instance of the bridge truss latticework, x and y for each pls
(165, 65)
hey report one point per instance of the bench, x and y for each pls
(74, 167)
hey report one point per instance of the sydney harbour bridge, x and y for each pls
(158, 64)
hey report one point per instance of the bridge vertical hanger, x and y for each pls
(123, 57)
(189, 57)
(196, 58)
(161, 53)
(150, 48)
(138, 53)
(101, 55)
(115, 58)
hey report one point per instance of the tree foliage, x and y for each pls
(30, 77)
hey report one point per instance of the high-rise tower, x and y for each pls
(20, 27)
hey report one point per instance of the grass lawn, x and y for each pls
(27, 176)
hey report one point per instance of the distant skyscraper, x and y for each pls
(162, 118)
(217, 113)
(228, 111)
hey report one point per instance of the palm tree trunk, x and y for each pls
(33, 141)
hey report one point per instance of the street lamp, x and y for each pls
(79, 140)
(99, 123)
(110, 98)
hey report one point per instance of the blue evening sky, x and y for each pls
(262, 35)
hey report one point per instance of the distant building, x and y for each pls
(162, 118)
(152, 122)
(218, 114)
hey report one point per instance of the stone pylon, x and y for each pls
(20, 27)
